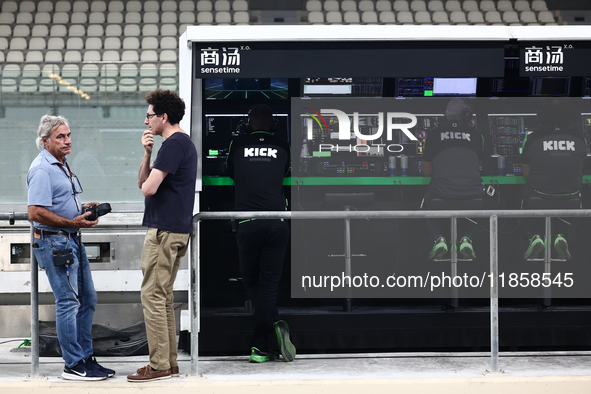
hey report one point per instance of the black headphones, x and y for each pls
(244, 127)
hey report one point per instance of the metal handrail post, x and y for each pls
(494, 294)
(454, 260)
(194, 297)
(348, 307)
(34, 309)
(547, 261)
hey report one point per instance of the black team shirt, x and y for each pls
(258, 163)
(455, 152)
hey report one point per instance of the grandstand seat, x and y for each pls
(316, 17)
(187, 6)
(147, 84)
(475, 17)
(11, 70)
(187, 17)
(67, 83)
(241, 17)
(107, 85)
(6, 18)
(383, 5)
(9, 6)
(204, 5)
(6, 31)
(458, 17)
(149, 43)
(168, 17)
(150, 30)
(133, 17)
(387, 17)
(453, 5)
(221, 5)
(53, 56)
(32, 70)
(79, 17)
(72, 57)
(440, 17)
(109, 70)
(470, 5)
(131, 30)
(133, 6)
(504, 5)
(351, 17)
(115, 17)
(24, 18)
(223, 17)
(88, 85)
(168, 70)
(112, 43)
(91, 56)
(127, 85)
(522, 5)
(313, 5)
(423, 17)
(21, 31)
(148, 70)
(168, 83)
(98, 6)
(168, 43)
(510, 17)
(539, 5)
(151, 17)
(334, 17)
(151, 6)
(96, 17)
(27, 85)
(543, 17)
(405, 17)
(63, 6)
(348, 5)
(18, 43)
(487, 5)
(168, 5)
(528, 17)
(95, 31)
(27, 6)
(493, 17)
(37, 43)
(369, 17)
(9, 85)
(42, 18)
(204, 17)
(240, 5)
(37, 31)
(116, 6)
(401, 5)
(61, 18)
(111, 56)
(366, 5)
(89, 70)
(34, 57)
(131, 43)
(149, 55)
(130, 56)
(331, 5)
(128, 70)
(3, 44)
(1, 57)
(93, 43)
(113, 31)
(47, 84)
(418, 5)
(80, 6)
(435, 5)
(168, 55)
(168, 30)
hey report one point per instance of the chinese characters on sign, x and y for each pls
(230, 57)
(548, 58)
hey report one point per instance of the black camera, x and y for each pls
(99, 210)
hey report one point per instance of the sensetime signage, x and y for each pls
(556, 58)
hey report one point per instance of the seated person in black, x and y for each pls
(553, 159)
(258, 163)
(451, 157)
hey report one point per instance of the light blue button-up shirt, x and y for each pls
(51, 187)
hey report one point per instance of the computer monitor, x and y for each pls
(254, 89)
(510, 87)
(549, 86)
(342, 87)
(436, 87)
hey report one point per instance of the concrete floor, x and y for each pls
(533, 372)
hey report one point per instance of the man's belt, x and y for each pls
(60, 232)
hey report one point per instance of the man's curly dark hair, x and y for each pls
(167, 102)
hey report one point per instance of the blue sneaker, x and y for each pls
(81, 372)
(91, 363)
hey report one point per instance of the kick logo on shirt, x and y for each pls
(455, 135)
(260, 152)
(559, 145)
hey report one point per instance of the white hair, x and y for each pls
(47, 124)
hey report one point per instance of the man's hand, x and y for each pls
(81, 222)
(148, 141)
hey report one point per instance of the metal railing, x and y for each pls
(493, 215)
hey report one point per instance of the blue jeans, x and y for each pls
(73, 315)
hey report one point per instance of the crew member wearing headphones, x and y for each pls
(451, 157)
(257, 163)
(553, 158)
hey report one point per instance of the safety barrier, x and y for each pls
(493, 215)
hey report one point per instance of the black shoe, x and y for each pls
(81, 372)
(91, 363)
(288, 350)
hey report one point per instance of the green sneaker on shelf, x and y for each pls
(439, 249)
(536, 248)
(466, 249)
(561, 247)
(257, 356)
